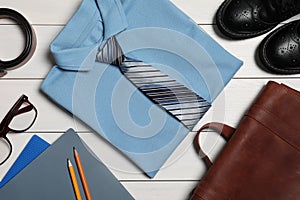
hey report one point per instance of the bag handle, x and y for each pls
(225, 131)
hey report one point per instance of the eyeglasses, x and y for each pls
(19, 119)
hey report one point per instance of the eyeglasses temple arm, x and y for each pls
(14, 111)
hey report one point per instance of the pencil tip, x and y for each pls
(69, 162)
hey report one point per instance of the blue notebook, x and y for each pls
(33, 149)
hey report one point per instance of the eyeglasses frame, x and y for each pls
(13, 112)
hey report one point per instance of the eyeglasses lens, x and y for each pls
(22, 121)
(4, 150)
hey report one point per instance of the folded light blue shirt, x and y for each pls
(155, 32)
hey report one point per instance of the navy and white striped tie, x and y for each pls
(175, 98)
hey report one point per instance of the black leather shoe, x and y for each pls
(240, 19)
(279, 52)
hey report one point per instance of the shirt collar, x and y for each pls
(76, 46)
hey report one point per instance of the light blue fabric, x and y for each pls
(155, 32)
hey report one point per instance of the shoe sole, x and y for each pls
(227, 32)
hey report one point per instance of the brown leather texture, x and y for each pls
(225, 131)
(261, 161)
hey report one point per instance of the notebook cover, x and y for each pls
(33, 149)
(47, 177)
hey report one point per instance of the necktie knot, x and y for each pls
(111, 52)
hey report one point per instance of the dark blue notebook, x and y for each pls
(33, 149)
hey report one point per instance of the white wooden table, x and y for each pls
(184, 169)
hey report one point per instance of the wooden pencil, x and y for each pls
(82, 176)
(74, 180)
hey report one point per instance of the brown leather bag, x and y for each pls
(262, 157)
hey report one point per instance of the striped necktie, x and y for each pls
(182, 103)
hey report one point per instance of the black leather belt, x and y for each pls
(30, 41)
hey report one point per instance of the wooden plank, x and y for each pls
(228, 107)
(50, 12)
(160, 190)
(44, 12)
(184, 164)
(245, 50)
(202, 12)
(50, 117)
(42, 61)
(59, 12)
